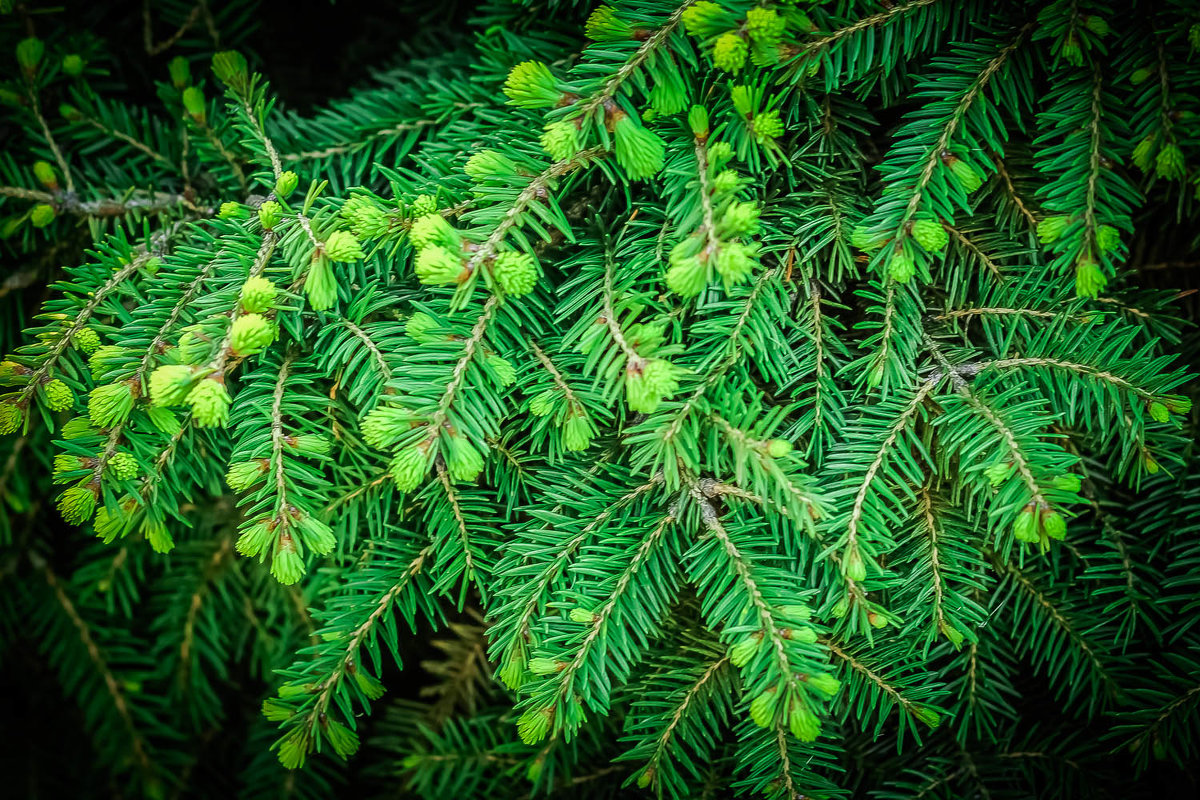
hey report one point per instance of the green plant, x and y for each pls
(761, 393)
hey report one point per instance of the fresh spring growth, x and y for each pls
(366, 217)
(577, 433)
(181, 74)
(46, 175)
(58, 395)
(86, 341)
(638, 150)
(649, 382)
(244, 474)
(421, 326)
(515, 272)
(730, 52)
(561, 139)
(930, 234)
(408, 468)
(384, 425)
(29, 54)
(209, 401)
(605, 25)
(77, 504)
(462, 459)
(257, 294)
(343, 246)
(42, 215)
(285, 184)
(531, 85)
(171, 383)
(250, 333)
(195, 105)
(73, 64)
(122, 466)
(230, 68)
(534, 724)
(320, 285)
(110, 404)
(269, 214)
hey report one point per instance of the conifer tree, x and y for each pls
(667, 398)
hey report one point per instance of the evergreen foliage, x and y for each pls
(667, 399)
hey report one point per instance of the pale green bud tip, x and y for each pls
(29, 53)
(1178, 404)
(489, 164)
(767, 126)
(42, 215)
(269, 214)
(698, 121)
(408, 468)
(803, 723)
(700, 19)
(77, 504)
(534, 724)
(825, 683)
(854, 567)
(1159, 412)
(180, 74)
(928, 716)
(343, 246)
(730, 51)
(72, 65)
(968, 176)
(543, 403)
(384, 425)
(420, 326)
(250, 333)
(762, 708)
(515, 272)
(530, 84)
(233, 210)
(244, 474)
(193, 103)
(639, 151)
(502, 368)
(605, 26)
(1068, 482)
(45, 174)
(1053, 524)
(778, 448)
(744, 650)
(285, 184)
(582, 616)
(58, 395)
(577, 433)
(901, 267)
(1169, 163)
(320, 285)
(545, 666)
(209, 400)
(463, 461)
(1090, 280)
(287, 566)
(930, 234)
(561, 139)
(257, 295)
(432, 230)
(86, 341)
(169, 384)
(230, 68)
(123, 466)
(11, 418)
(1025, 527)
(648, 382)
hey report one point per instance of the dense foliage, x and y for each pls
(780, 399)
